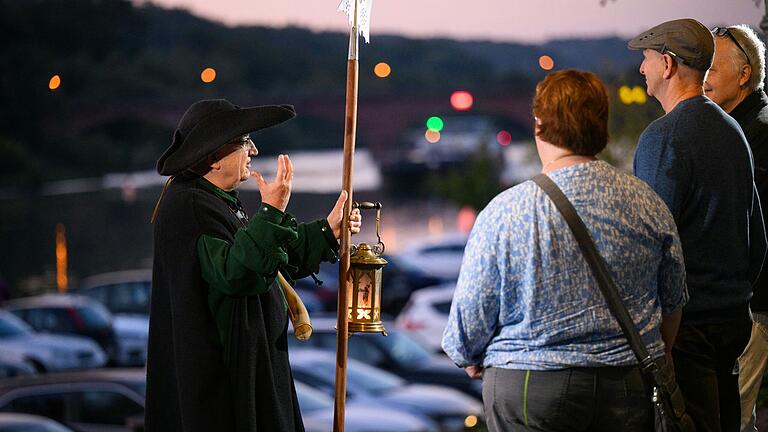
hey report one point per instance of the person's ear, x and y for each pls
(745, 75)
(670, 66)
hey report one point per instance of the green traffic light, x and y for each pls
(435, 123)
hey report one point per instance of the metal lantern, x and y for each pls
(364, 282)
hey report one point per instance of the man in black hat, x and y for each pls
(696, 158)
(218, 358)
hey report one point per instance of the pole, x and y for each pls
(350, 129)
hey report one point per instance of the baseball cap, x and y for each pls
(687, 40)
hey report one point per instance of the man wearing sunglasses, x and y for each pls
(736, 83)
(218, 350)
(697, 159)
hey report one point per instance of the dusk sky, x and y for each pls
(501, 20)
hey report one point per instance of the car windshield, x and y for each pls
(403, 349)
(10, 326)
(94, 317)
(370, 379)
(139, 387)
(360, 377)
(311, 399)
(130, 297)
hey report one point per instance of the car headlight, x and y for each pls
(470, 421)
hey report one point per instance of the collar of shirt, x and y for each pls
(744, 111)
(231, 197)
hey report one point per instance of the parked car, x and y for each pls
(426, 314)
(441, 259)
(113, 400)
(14, 364)
(68, 315)
(399, 280)
(397, 353)
(47, 352)
(126, 294)
(451, 409)
(86, 401)
(317, 414)
(14, 422)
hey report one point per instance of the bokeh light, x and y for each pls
(432, 136)
(641, 97)
(382, 70)
(55, 82)
(435, 123)
(435, 226)
(470, 421)
(632, 95)
(461, 100)
(546, 62)
(465, 219)
(504, 138)
(208, 75)
(626, 95)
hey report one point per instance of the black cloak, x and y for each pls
(193, 382)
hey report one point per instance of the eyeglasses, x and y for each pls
(724, 31)
(245, 142)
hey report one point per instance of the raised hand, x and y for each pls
(278, 192)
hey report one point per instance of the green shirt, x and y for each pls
(271, 240)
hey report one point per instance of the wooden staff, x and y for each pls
(350, 129)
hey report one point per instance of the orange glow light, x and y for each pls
(208, 75)
(432, 136)
(55, 82)
(546, 62)
(462, 100)
(61, 258)
(382, 70)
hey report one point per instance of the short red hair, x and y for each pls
(571, 110)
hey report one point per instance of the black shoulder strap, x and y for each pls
(599, 269)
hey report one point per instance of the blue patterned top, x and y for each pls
(526, 298)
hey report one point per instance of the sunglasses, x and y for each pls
(724, 31)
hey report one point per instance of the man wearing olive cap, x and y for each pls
(217, 358)
(697, 159)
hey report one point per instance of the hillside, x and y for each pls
(128, 72)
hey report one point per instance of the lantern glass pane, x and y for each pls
(365, 289)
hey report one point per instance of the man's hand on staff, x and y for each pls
(278, 192)
(336, 216)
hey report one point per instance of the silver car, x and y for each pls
(450, 409)
(126, 294)
(113, 400)
(48, 352)
(13, 422)
(317, 414)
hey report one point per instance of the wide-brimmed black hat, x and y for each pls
(209, 124)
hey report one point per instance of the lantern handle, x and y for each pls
(367, 205)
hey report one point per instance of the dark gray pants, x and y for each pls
(606, 399)
(705, 356)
